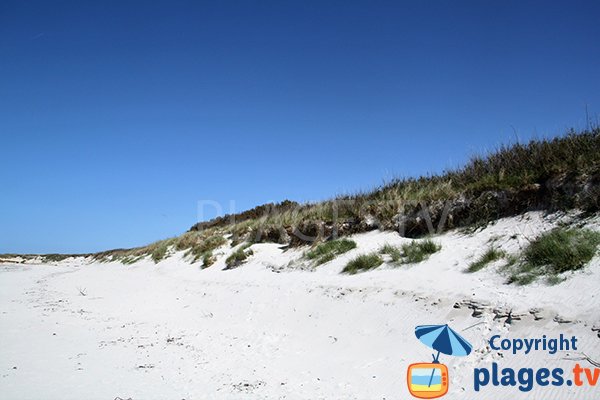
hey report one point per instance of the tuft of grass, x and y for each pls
(208, 259)
(491, 254)
(394, 252)
(130, 259)
(160, 251)
(555, 252)
(239, 256)
(325, 252)
(410, 253)
(363, 262)
(202, 249)
(417, 251)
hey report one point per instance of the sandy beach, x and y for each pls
(271, 329)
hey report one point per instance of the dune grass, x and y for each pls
(410, 253)
(327, 251)
(554, 253)
(363, 262)
(160, 251)
(418, 250)
(394, 252)
(239, 256)
(491, 254)
(202, 249)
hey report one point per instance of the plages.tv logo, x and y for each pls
(431, 380)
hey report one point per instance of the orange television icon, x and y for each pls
(427, 380)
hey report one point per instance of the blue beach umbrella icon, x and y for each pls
(443, 339)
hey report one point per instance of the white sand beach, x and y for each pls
(273, 330)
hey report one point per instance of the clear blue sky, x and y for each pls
(116, 118)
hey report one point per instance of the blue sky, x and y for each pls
(116, 118)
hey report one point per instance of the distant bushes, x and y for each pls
(252, 214)
(551, 174)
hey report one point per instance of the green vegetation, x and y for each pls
(417, 251)
(492, 254)
(555, 252)
(160, 251)
(325, 252)
(208, 259)
(55, 257)
(128, 260)
(199, 246)
(410, 253)
(203, 248)
(364, 262)
(394, 252)
(239, 256)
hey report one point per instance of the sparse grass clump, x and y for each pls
(492, 254)
(239, 256)
(418, 250)
(555, 252)
(208, 259)
(55, 257)
(325, 252)
(410, 253)
(202, 248)
(394, 252)
(160, 251)
(364, 262)
(130, 259)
